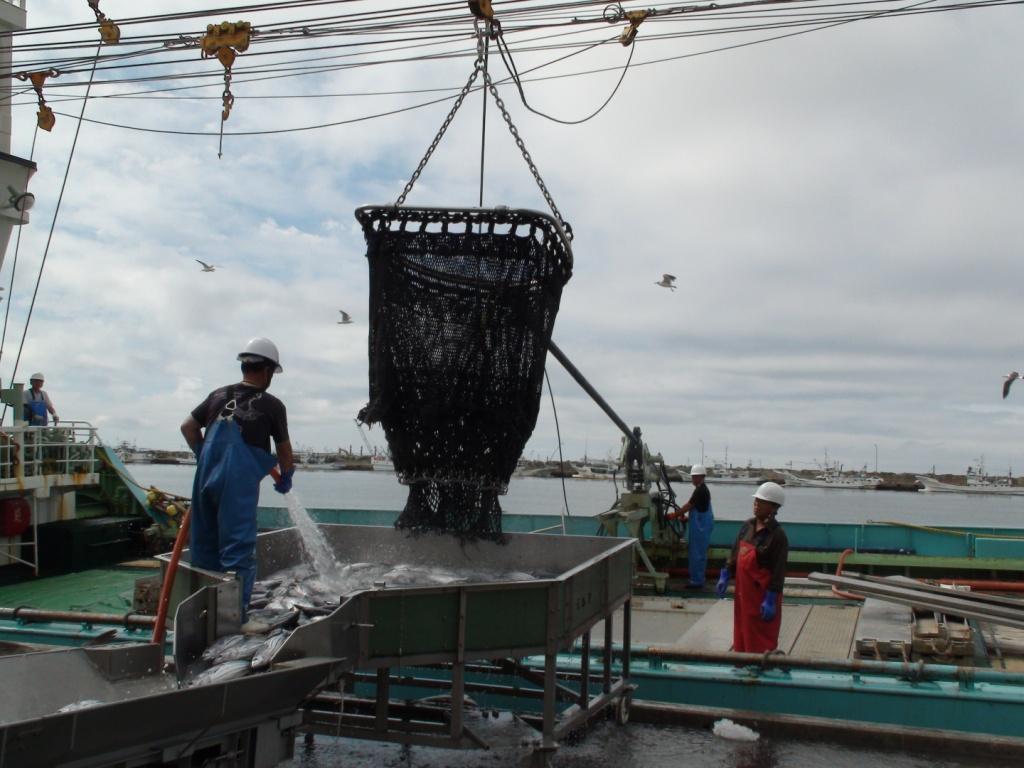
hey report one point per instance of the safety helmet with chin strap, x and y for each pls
(261, 349)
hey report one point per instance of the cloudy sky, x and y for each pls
(842, 209)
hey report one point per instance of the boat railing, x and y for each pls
(31, 457)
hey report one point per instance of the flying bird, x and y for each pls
(1011, 377)
(207, 267)
(346, 318)
(667, 281)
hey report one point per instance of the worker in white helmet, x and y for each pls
(697, 511)
(758, 562)
(233, 456)
(37, 402)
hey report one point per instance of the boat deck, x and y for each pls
(705, 625)
(814, 627)
(101, 590)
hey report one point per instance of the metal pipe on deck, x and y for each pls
(34, 615)
(917, 671)
(915, 595)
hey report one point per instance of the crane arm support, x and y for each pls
(594, 394)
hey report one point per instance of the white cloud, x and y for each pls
(841, 209)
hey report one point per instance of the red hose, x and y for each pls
(160, 628)
(839, 572)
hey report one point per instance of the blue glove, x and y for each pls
(285, 483)
(770, 606)
(723, 582)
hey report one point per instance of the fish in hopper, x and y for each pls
(233, 648)
(297, 596)
(221, 673)
(271, 645)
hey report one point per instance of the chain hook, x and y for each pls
(110, 33)
(225, 41)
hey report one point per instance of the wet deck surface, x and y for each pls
(701, 623)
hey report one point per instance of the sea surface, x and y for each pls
(646, 746)
(630, 746)
(335, 489)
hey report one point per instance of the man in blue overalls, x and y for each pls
(701, 521)
(37, 403)
(232, 458)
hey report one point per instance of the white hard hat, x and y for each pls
(771, 492)
(697, 469)
(37, 377)
(261, 347)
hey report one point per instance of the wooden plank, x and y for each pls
(794, 617)
(827, 633)
(713, 631)
(655, 621)
(885, 626)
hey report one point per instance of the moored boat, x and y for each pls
(931, 485)
(381, 463)
(834, 480)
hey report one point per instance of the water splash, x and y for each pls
(313, 541)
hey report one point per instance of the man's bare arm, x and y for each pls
(193, 433)
(285, 460)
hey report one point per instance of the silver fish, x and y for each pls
(273, 618)
(269, 648)
(232, 648)
(220, 673)
(75, 706)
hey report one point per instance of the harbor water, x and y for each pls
(642, 746)
(544, 496)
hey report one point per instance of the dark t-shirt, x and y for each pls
(772, 548)
(259, 414)
(701, 498)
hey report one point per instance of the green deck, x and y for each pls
(102, 590)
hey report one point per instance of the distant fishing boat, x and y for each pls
(594, 470)
(977, 482)
(381, 463)
(725, 475)
(833, 479)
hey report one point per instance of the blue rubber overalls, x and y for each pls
(699, 540)
(35, 410)
(225, 494)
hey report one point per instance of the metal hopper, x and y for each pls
(120, 708)
(581, 581)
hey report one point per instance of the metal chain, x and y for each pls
(477, 67)
(526, 156)
(227, 102)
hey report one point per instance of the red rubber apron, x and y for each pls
(750, 633)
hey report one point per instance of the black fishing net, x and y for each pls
(462, 304)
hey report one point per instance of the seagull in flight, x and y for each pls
(667, 281)
(346, 318)
(1011, 377)
(207, 267)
